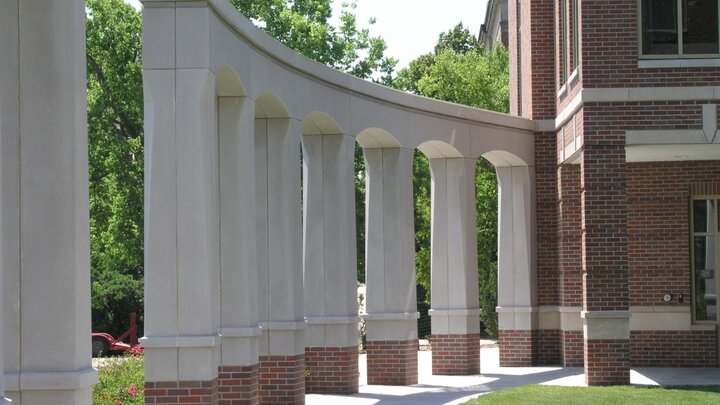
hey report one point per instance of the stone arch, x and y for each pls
(269, 106)
(375, 138)
(502, 158)
(228, 84)
(320, 123)
(439, 150)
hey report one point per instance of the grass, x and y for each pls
(121, 382)
(542, 394)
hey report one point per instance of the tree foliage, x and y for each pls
(115, 147)
(304, 26)
(460, 71)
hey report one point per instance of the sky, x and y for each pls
(411, 27)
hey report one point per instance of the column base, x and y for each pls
(174, 392)
(455, 354)
(549, 347)
(282, 379)
(607, 362)
(572, 348)
(239, 385)
(332, 370)
(392, 362)
(517, 347)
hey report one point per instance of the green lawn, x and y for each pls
(542, 394)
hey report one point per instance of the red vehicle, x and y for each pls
(104, 343)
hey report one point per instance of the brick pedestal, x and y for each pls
(239, 385)
(332, 370)
(607, 362)
(517, 347)
(572, 348)
(392, 362)
(456, 354)
(282, 380)
(181, 392)
(549, 347)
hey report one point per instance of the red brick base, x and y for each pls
(607, 362)
(332, 370)
(673, 348)
(282, 379)
(392, 362)
(239, 385)
(517, 348)
(549, 347)
(456, 354)
(572, 348)
(181, 392)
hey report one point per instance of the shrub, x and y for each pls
(122, 381)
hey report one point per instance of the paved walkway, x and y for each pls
(456, 390)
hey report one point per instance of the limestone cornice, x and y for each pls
(630, 95)
(318, 72)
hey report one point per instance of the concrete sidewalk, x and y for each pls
(456, 390)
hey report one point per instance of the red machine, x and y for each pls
(103, 343)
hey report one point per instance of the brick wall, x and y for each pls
(181, 392)
(332, 370)
(607, 362)
(456, 354)
(658, 227)
(282, 379)
(546, 210)
(573, 349)
(610, 51)
(239, 385)
(392, 362)
(673, 348)
(542, 15)
(518, 348)
(570, 238)
(549, 347)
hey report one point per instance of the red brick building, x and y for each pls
(628, 181)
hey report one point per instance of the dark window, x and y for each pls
(660, 21)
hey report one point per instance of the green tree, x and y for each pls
(115, 147)
(460, 71)
(304, 26)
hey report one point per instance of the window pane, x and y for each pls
(659, 27)
(703, 216)
(700, 26)
(705, 251)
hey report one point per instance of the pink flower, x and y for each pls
(131, 390)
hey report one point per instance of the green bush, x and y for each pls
(122, 381)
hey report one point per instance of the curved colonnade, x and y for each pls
(243, 285)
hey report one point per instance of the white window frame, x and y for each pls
(693, 234)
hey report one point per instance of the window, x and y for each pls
(697, 37)
(705, 242)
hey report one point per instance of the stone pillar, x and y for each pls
(239, 371)
(392, 340)
(517, 295)
(282, 345)
(45, 234)
(331, 338)
(182, 245)
(455, 311)
(606, 316)
(570, 265)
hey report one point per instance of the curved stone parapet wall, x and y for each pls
(250, 243)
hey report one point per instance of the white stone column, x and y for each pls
(390, 267)
(454, 275)
(279, 215)
(238, 243)
(182, 237)
(330, 263)
(45, 249)
(517, 295)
